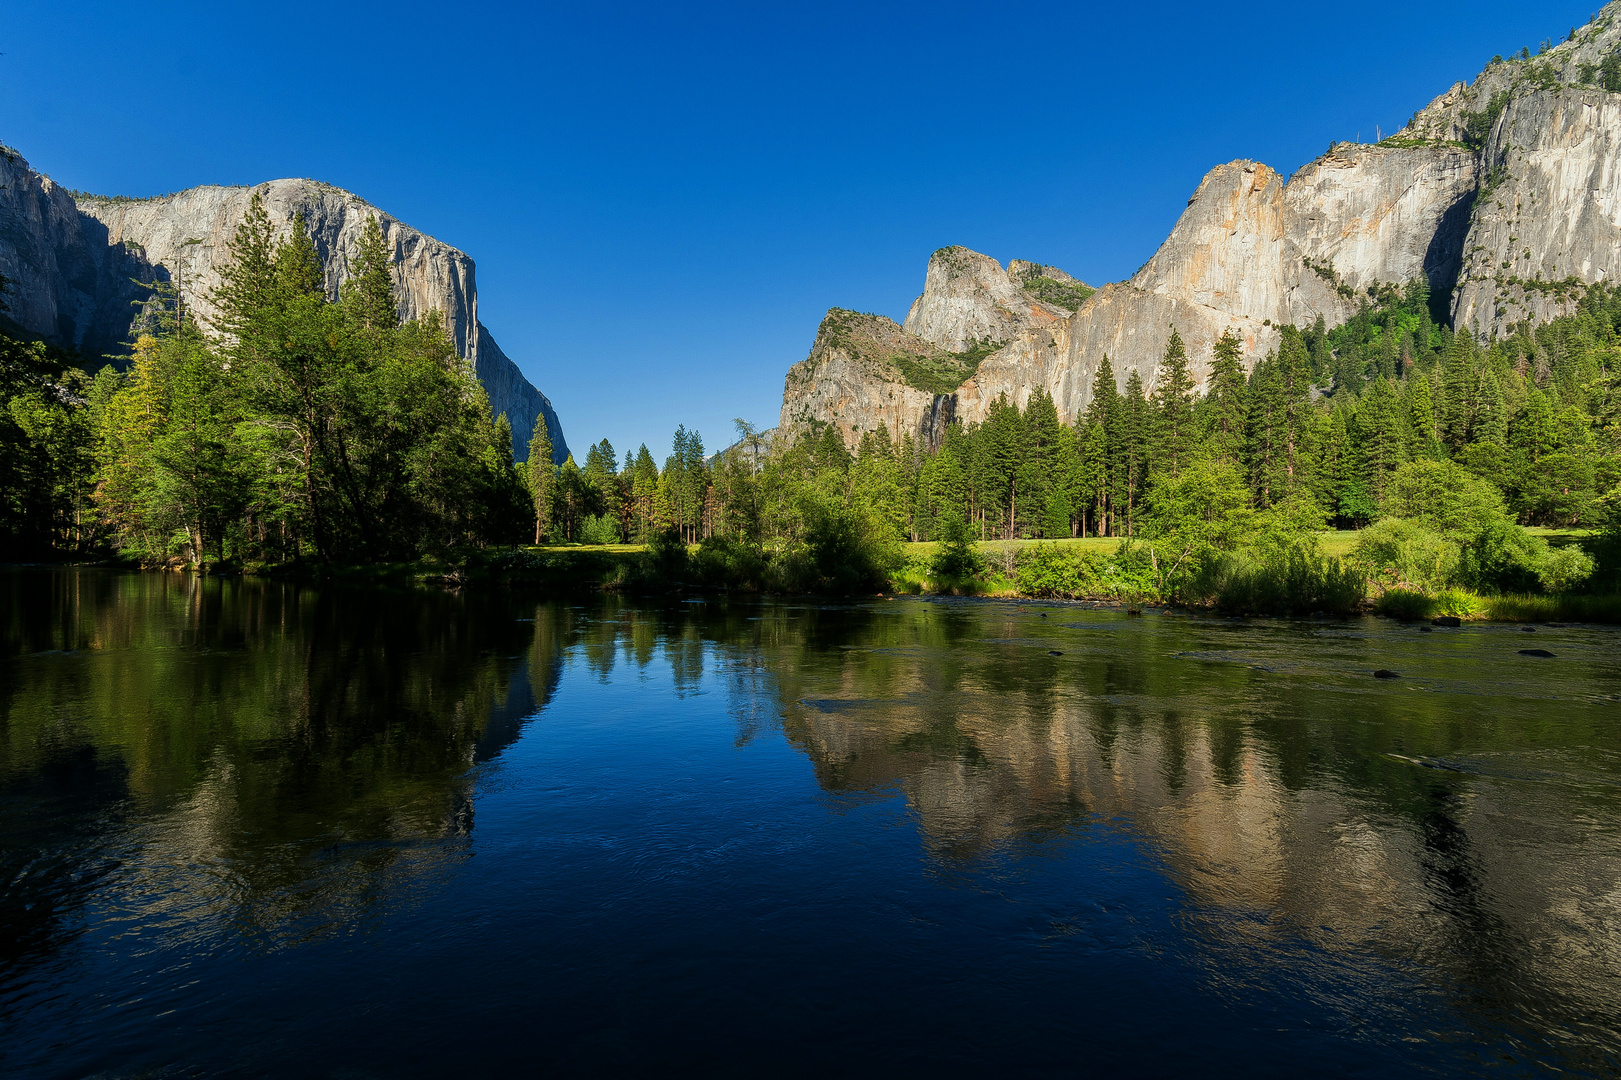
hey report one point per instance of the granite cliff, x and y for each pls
(1504, 194)
(75, 262)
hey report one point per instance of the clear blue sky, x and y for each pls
(663, 199)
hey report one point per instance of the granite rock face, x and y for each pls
(854, 380)
(968, 300)
(1504, 195)
(68, 284)
(76, 264)
(1250, 253)
(1548, 219)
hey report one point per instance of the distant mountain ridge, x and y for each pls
(1504, 194)
(75, 261)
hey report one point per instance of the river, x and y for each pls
(264, 829)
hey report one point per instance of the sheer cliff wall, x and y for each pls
(76, 264)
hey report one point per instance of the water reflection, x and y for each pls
(266, 766)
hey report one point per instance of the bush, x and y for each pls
(850, 550)
(1443, 496)
(1293, 579)
(599, 529)
(958, 557)
(1502, 557)
(1410, 605)
(1565, 569)
(1048, 570)
(1404, 604)
(666, 558)
(724, 562)
(1400, 553)
(1606, 546)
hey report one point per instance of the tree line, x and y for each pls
(1330, 415)
(300, 426)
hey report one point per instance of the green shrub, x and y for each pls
(1404, 604)
(599, 529)
(724, 562)
(1460, 603)
(958, 557)
(1444, 496)
(850, 549)
(1502, 557)
(1295, 579)
(1409, 604)
(1606, 546)
(1565, 569)
(666, 557)
(1401, 553)
(1048, 570)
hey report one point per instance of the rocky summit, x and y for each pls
(1502, 194)
(77, 261)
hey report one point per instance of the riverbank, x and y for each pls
(1090, 570)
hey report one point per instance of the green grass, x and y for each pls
(1472, 606)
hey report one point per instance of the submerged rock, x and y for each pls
(1386, 673)
(1536, 652)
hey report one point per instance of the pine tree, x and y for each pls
(1380, 435)
(1098, 452)
(1225, 404)
(299, 269)
(1133, 446)
(1423, 441)
(542, 477)
(369, 292)
(1003, 433)
(248, 279)
(1173, 400)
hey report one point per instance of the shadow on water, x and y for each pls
(271, 766)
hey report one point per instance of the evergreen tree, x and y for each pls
(248, 279)
(299, 270)
(1173, 400)
(369, 293)
(1225, 405)
(541, 475)
(1381, 436)
(1099, 454)
(1136, 430)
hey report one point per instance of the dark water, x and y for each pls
(262, 830)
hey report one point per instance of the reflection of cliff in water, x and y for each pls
(282, 758)
(1258, 794)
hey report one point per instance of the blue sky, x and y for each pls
(663, 200)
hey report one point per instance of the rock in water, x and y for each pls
(1537, 652)
(1386, 673)
(1054, 652)
(1446, 620)
(76, 262)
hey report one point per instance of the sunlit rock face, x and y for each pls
(1250, 254)
(77, 264)
(1548, 217)
(851, 379)
(969, 299)
(1501, 194)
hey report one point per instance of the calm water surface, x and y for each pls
(258, 829)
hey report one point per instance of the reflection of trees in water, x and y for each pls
(283, 757)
